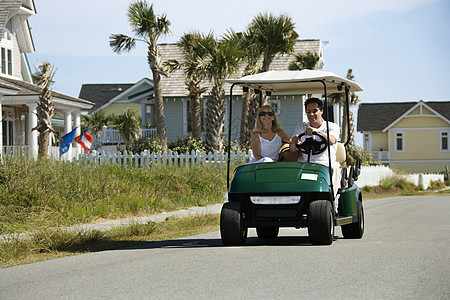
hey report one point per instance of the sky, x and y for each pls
(398, 49)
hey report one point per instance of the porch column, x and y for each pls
(67, 129)
(77, 123)
(33, 134)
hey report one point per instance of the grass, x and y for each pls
(36, 195)
(50, 244)
(41, 197)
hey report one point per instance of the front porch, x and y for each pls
(18, 113)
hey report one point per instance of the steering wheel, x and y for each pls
(311, 146)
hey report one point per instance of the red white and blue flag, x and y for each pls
(85, 140)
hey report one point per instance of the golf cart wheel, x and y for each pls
(321, 222)
(267, 233)
(233, 230)
(355, 230)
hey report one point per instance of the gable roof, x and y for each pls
(23, 88)
(174, 85)
(14, 16)
(101, 93)
(380, 116)
(130, 93)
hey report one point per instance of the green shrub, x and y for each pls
(187, 144)
(367, 188)
(436, 185)
(153, 144)
(388, 183)
(365, 156)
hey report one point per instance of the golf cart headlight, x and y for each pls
(275, 199)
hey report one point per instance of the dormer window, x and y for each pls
(6, 57)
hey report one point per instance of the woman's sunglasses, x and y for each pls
(266, 113)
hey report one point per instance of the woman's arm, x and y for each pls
(256, 146)
(285, 138)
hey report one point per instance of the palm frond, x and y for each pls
(121, 42)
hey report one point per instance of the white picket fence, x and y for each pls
(370, 175)
(146, 159)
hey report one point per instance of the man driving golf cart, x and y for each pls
(267, 196)
(317, 126)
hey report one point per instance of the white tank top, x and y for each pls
(270, 148)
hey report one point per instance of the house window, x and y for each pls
(150, 116)
(443, 140)
(399, 141)
(366, 141)
(7, 128)
(276, 105)
(6, 54)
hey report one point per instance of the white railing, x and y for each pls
(53, 151)
(16, 151)
(112, 136)
(146, 159)
(382, 156)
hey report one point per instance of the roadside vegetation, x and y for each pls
(44, 197)
(46, 194)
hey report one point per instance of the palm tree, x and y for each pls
(273, 35)
(45, 108)
(192, 56)
(339, 98)
(128, 124)
(308, 61)
(305, 61)
(252, 52)
(267, 36)
(95, 121)
(148, 27)
(222, 60)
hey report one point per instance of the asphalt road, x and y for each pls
(405, 253)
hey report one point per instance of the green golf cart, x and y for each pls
(267, 196)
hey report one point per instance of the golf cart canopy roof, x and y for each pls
(297, 82)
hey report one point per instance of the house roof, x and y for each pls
(28, 89)
(132, 93)
(5, 7)
(174, 84)
(101, 93)
(379, 116)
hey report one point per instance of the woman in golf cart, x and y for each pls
(267, 136)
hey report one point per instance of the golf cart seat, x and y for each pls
(341, 155)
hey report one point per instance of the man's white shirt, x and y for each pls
(321, 158)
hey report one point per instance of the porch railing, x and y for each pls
(23, 151)
(110, 136)
(382, 156)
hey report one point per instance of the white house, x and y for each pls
(18, 95)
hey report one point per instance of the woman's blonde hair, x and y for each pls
(258, 125)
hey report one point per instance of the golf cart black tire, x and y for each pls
(267, 233)
(321, 222)
(233, 230)
(355, 230)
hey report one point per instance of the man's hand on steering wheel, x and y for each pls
(312, 144)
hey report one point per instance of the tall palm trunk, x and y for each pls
(250, 105)
(45, 110)
(152, 57)
(215, 119)
(195, 107)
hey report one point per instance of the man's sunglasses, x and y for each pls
(266, 113)
(312, 110)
